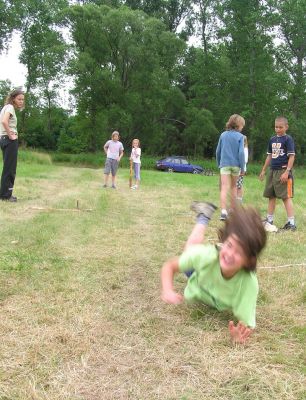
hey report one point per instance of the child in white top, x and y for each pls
(135, 158)
(241, 176)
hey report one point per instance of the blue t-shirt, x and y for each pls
(280, 147)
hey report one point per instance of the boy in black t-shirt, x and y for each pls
(279, 183)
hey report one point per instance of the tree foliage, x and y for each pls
(134, 70)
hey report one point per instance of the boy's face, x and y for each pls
(115, 138)
(231, 257)
(280, 127)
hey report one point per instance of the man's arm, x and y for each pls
(169, 269)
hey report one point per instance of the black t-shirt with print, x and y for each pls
(280, 147)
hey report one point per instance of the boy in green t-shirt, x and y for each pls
(223, 278)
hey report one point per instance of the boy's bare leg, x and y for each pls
(289, 207)
(271, 205)
(204, 213)
(106, 179)
(196, 236)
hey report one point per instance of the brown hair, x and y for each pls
(235, 121)
(11, 97)
(115, 133)
(246, 225)
(283, 119)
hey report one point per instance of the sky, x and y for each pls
(10, 67)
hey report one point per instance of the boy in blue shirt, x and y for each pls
(279, 183)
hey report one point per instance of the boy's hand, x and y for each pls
(284, 177)
(262, 175)
(239, 333)
(172, 297)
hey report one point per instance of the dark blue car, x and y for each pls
(178, 164)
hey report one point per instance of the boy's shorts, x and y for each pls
(239, 182)
(111, 166)
(274, 187)
(234, 171)
(136, 170)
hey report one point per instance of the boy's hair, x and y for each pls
(283, 119)
(234, 122)
(115, 133)
(246, 225)
(138, 141)
(11, 97)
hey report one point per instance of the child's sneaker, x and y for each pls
(207, 209)
(288, 227)
(269, 227)
(223, 217)
(105, 186)
(113, 187)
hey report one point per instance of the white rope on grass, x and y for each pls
(285, 266)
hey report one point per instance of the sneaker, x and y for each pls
(223, 217)
(207, 209)
(11, 199)
(266, 220)
(113, 187)
(269, 227)
(105, 186)
(288, 227)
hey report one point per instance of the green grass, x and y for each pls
(79, 291)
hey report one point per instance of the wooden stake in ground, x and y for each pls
(131, 173)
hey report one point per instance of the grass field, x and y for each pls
(81, 316)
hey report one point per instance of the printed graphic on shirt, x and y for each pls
(277, 150)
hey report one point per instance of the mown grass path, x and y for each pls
(81, 316)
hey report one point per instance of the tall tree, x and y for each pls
(123, 67)
(43, 50)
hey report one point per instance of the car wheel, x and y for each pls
(195, 171)
(170, 169)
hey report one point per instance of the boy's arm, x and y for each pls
(239, 333)
(120, 155)
(266, 164)
(169, 295)
(105, 147)
(284, 176)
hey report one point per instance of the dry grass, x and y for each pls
(81, 314)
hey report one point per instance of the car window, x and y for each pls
(184, 161)
(176, 160)
(168, 159)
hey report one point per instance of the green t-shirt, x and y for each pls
(207, 285)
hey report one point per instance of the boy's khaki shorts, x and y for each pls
(111, 166)
(234, 171)
(274, 187)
